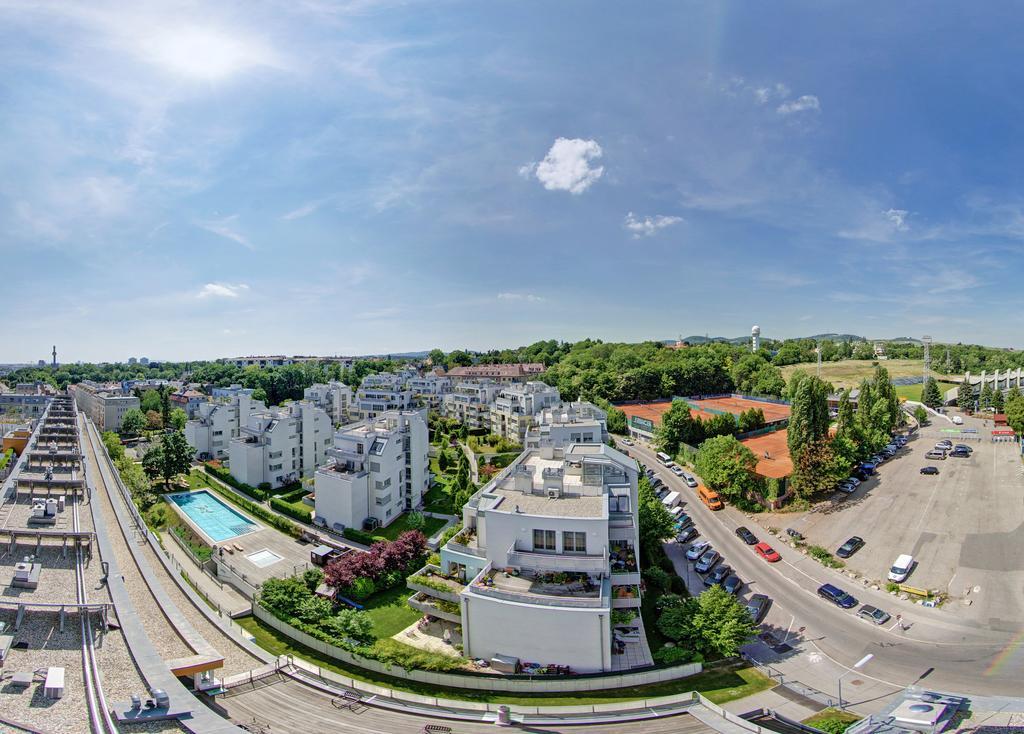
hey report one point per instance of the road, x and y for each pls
(952, 655)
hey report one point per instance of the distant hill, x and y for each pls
(745, 339)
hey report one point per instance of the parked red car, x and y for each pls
(767, 552)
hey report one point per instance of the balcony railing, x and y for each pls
(558, 562)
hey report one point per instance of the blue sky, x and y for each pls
(194, 181)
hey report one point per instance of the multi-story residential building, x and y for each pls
(567, 423)
(430, 389)
(231, 391)
(336, 398)
(378, 468)
(280, 445)
(218, 421)
(513, 410)
(503, 373)
(382, 392)
(104, 403)
(188, 399)
(470, 403)
(549, 550)
(23, 404)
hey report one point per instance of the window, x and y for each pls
(544, 541)
(619, 503)
(574, 542)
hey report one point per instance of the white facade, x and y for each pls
(382, 392)
(219, 421)
(378, 469)
(570, 512)
(513, 410)
(430, 389)
(567, 423)
(105, 404)
(470, 403)
(281, 445)
(335, 398)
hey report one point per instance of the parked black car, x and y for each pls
(732, 584)
(717, 575)
(850, 547)
(794, 534)
(746, 536)
(757, 607)
(929, 470)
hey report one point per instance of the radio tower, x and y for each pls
(55, 356)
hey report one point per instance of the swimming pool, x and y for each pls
(217, 520)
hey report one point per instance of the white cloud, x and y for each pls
(225, 228)
(898, 217)
(567, 167)
(222, 290)
(649, 226)
(524, 297)
(764, 95)
(804, 103)
(303, 211)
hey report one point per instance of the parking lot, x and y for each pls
(964, 527)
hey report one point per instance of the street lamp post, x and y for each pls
(859, 664)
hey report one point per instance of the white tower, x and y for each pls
(755, 338)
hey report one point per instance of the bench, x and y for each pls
(347, 700)
(437, 729)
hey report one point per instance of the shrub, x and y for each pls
(312, 578)
(358, 536)
(385, 564)
(673, 655)
(832, 725)
(313, 609)
(657, 578)
(622, 616)
(824, 557)
(392, 652)
(302, 515)
(362, 588)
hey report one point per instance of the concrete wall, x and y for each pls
(484, 682)
(578, 637)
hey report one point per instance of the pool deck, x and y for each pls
(294, 555)
(199, 529)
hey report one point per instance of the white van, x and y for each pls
(901, 568)
(958, 420)
(671, 500)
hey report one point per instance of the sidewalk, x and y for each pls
(777, 699)
(224, 597)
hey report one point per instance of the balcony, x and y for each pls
(429, 580)
(578, 590)
(466, 543)
(436, 607)
(595, 564)
(625, 597)
(623, 557)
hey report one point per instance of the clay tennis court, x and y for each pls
(772, 411)
(777, 464)
(654, 411)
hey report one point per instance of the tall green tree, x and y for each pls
(178, 419)
(728, 467)
(175, 455)
(986, 397)
(1015, 411)
(133, 422)
(965, 396)
(678, 426)
(655, 521)
(998, 401)
(809, 420)
(931, 395)
(715, 623)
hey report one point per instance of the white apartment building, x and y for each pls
(104, 403)
(470, 403)
(550, 548)
(382, 392)
(513, 409)
(378, 469)
(218, 421)
(280, 445)
(567, 423)
(430, 389)
(335, 398)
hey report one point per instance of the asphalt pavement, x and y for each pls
(931, 648)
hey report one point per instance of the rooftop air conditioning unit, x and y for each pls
(554, 493)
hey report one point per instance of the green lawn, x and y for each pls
(831, 714)
(401, 524)
(390, 613)
(719, 685)
(913, 392)
(438, 500)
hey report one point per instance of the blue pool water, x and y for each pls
(214, 517)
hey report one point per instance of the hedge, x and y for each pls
(359, 536)
(225, 476)
(291, 510)
(297, 492)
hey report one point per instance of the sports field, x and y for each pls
(772, 454)
(850, 372)
(772, 411)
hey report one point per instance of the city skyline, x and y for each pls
(377, 177)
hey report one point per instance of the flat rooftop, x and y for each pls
(572, 502)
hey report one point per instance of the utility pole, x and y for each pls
(819, 360)
(927, 342)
